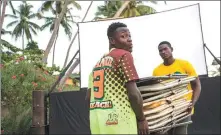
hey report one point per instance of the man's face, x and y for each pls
(122, 39)
(165, 51)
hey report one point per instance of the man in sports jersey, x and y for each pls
(116, 105)
(171, 65)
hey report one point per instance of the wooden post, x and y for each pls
(39, 112)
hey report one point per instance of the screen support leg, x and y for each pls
(215, 58)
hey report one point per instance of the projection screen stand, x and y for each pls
(215, 58)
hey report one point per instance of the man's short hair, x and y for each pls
(112, 28)
(165, 42)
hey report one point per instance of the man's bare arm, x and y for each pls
(135, 99)
(196, 86)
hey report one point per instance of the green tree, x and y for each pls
(134, 8)
(3, 5)
(8, 50)
(56, 7)
(23, 24)
(65, 23)
(61, 10)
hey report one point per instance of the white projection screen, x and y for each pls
(181, 27)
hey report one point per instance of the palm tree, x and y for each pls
(6, 44)
(2, 12)
(65, 23)
(48, 5)
(108, 10)
(131, 9)
(60, 10)
(73, 66)
(23, 25)
(73, 39)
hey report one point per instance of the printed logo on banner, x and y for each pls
(112, 119)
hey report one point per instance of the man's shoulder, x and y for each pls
(119, 52)
(159, 65)
(182, 61)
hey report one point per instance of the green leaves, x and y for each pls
(22, 22)
(18, 120)
(135, 8)
(65, 23)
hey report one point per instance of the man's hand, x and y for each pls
(143, 127)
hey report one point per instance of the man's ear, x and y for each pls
(171, 49)
(111, 40)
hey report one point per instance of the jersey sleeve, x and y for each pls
(90, 81)
(128, 67)
(90, 85)
(190, 69)
(154, 72)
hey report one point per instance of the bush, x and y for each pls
(19, 78)
(18, 121)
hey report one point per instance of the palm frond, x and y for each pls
(70, 16)
(31, 16)
(97, 18)
(52, 27)
(9, 46)
(46, 6)
(75, 4)
(18, 12)
(69, 19)
(17, 32)
(76, 16)
(47, 19)
(3, 32)
(37, 27)
(27, 31)
(11, 16)
(46, 25)
(144, 9)
(12, 8)
(67, 29)
(33, 30)
(12, 23)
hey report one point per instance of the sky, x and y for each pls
(210, 16)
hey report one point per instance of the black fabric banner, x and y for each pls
(206, 118)
(69, 111)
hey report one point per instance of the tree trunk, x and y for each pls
(72, 41)
(71, 69)
(23, 40)
(54, 50)
(121, 9)
(2, 15)
(53, 36)
(53, 56)
(69, 49)
(0, 8)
